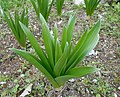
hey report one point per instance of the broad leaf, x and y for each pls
(37, 63)
(48, 41)
(75, 73)
(85, 46)
(36, 46)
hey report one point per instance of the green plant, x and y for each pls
(15, 26)
(42, 6)
(60, 60)
(9, 4)
(59, 4)
(91, 6)
(5, 4)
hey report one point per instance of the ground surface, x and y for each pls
(16, 74)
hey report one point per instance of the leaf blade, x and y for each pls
(29, 57)
(36, 46)
(85, 47)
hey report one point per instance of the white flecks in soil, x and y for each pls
(78, 2)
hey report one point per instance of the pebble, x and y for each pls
(1, 83)
(82, 77)
(4, 72)
(119, 88)
(59, 22)
(78, 2)
(94, 80)
(115, 95)
(93, 53)
(22, 75)
(72, 80)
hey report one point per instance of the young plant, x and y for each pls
(59, 4)
(91, 6)
(15, 26)
(60, 60)
(43, 7)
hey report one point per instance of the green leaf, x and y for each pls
(61, 63)
(64, 38)
(48, 41)
(85, 47)
(26, 18)
(22, 15)
(70, 28)
(15, 27)
(35, 7)
(58, 50)
(55, 32)
(91, 6)
(43, 6)
(36, 46)
(95, 5)
(11, 25)
(59, 4)
(17, 24)
(37, 63)
(81, 71)
(49, 9)
(76, 48)
(62, 79)
(75, 73)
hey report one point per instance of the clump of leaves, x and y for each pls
(59, 62)
(91, 6)
(44, 7)
(15, 26)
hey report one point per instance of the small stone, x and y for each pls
(82, 78)
(93, 53)
(4, 72)
(72, 80)
(119, 88)
(98, 73)
(91, 92)
(94, 80)
(1, 83)
(35, 27)
(115, 95)
(22, 75)
(59, 22)
(78, 2)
